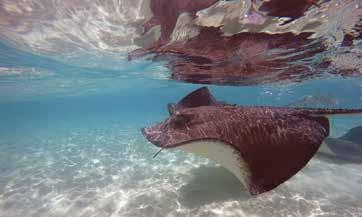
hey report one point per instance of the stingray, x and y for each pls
(347, 148)
(262, 146)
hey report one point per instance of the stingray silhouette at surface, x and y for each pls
(262, 146)
(229, 42)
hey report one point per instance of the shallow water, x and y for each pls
(70, 119)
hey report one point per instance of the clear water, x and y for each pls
(70, 144)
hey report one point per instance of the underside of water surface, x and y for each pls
(79, 79)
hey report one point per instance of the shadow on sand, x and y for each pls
(211, 184)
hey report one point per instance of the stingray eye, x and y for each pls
(171, 108)
(179, 120)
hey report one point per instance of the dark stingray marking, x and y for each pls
(347, 40)
(291, 9)
(275, 142)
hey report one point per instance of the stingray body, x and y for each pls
(347, 148)
(261, 146)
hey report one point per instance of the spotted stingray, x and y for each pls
(262, 146)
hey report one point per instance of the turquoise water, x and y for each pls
(70, 145)
(72, 105)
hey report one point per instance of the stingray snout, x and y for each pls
(152, 136)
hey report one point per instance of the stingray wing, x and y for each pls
(262, 146)
(276, 146)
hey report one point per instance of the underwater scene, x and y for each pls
(172, 108)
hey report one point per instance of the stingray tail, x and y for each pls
(328, 112)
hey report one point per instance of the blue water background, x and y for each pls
(70, 144)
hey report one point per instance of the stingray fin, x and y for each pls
(263, 163)
(274, 159)
(199, 97)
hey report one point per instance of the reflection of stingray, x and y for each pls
(211, 184)
(346, 148)
(238, 43)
